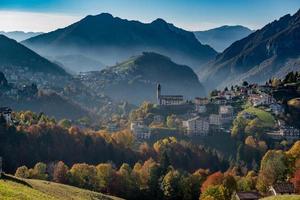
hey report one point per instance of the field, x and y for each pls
(28, 189)
(264, 116)
(283, 197)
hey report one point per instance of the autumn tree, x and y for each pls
(60, 172)
(213, 192)
(22, 172)
(212, 180)
(273, 168)
(84, 176)
(170, 184)
(105, 175)
(39, 171)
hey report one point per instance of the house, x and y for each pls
(6, 113)
(247, 196)
(276, 108)
(140, 130)
(200, 108)
(196, 126)
(168, 99)
(226, 113)
(215, 119)
(201, 101)
(282, 188)
(219, 100)
(261, 99)
(112, 127)
(158, 119)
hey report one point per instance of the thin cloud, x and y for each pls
(33, 21)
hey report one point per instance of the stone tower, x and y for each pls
(158, 93)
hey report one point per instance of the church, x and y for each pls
(168, 99)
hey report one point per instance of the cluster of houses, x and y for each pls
(202, 120)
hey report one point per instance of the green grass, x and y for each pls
(44, 190)
(264, 116)
(283, 197)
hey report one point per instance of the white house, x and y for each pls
(140, 130)
(197, 126)
(261, 99)
(215, 119)
(6, 113)
(226, 113)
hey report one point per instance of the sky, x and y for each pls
(48, 15)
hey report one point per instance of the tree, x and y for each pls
(296, 180)
(273, 168)
(170, 184)
(215, 192)
(39, 171)
(245, 83)
(105, 176)
(60, 172)
(84, 175)
(171, 121)
(124, 138)
(212, 180)
(65, 123)
(22, 172)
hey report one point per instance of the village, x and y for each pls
(205, 116)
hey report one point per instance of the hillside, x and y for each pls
(29, 189)
(222, 37)
(135, 80)
(273, 50)
(109, 39)
(20, 35)
(16, 55)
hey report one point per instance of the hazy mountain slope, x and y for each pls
(14, 54)
(20, 35)
(135, 80)
(222, 37)
(111, 39)
(268, 52)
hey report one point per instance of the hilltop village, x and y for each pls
(215, 114)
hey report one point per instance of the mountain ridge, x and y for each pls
(222, 37)
(112, 39)
(263, 54)
(135, 79)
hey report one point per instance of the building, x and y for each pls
(261, 99)
(196, 126)
(158, 119)
(219, 100)
(200, 108)
(247, 196)
(6, 113)
(276, 108)
(112, 127)
(282, 188)
(284, 132)
(168, 99)
(215, 119)
(226, 113)
(140, 130)
(201, 101)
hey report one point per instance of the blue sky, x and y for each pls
(46, 15)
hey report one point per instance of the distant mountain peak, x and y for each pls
(268, 52)
(111, 39)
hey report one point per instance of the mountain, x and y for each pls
(14, 54)
(111, 39)
(135, 80)
(269, 52)
(20, 35)
(222, 37)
